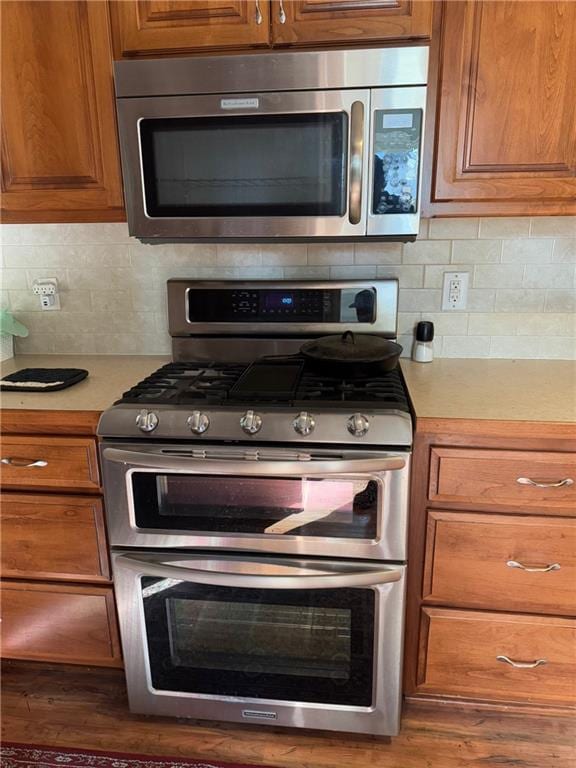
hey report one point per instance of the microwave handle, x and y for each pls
(315, 580)
(251, 467)
(356, 162)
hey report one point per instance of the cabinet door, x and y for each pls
(156, 27)
(342, 21)
(506, 103)
(59, 145)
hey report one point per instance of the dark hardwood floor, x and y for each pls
(69, 706)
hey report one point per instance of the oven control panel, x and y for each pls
(282, 305)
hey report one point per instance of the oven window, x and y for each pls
(291, 645)
(256, 165)
(335, 508)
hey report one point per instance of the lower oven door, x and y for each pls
(319, 503)
(315, 644)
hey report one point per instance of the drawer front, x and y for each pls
(59, 622)
(50, 463)
(460, 653)
(505, 562)
(519, 478)
(53, 537)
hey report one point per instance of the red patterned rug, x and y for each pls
(24, 755)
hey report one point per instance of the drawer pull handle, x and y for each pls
(535, 569)
(258, 13)
(282, 13)
(536, 484)
(14, 461)
(522, 664)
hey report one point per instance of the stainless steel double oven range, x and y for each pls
(257, 511)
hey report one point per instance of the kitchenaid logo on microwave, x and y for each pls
(239, 103)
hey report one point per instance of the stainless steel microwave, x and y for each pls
(275, 146)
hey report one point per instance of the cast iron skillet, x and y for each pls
(352, 354)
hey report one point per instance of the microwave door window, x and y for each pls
(256, 165)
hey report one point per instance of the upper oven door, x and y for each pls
(266, 165)
(314, 504)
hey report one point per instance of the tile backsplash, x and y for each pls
(521, 300)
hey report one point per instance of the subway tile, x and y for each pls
(407, 322)
(110, 301)
(163, 256)
(406, 341)
(448, 323)
(307, 273)
(419, 300)
(519, 300)
(13, 279)
(547, 324)
(408, 276)
(550, 276)
(493, 324)
(520, 347)
(557, 348)
(149, 300)
(527, 251)
(465, 346)
(62, 234)
(504, 227)
(498, 276)
(434, 273)
(4, 299)
(481, 300)
(476, 251)
(131, 344)
(553, 226)
(44, 256)
(423, 229)
(284, 255)
(426, 252)
(261, 273)
(560, 301)
(238, 256)
(378, 253)
(453, 229)
(353, 272)
(564, 250)
(59, 273)
(330, 255)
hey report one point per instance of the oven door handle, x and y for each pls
(251, 465)
(316, 580)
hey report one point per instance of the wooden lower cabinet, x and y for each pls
(59, 622)
(465, 655)
(45, 536)
(501, 562)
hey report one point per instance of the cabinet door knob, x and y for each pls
(522, 664)
(533, 569)
(282, 13)
(14, 461)
(538, 484)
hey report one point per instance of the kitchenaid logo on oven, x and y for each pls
(239, 103)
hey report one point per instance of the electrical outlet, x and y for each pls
(47, 289)
(455, 291)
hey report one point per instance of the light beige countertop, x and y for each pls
(499, 390)
(108, 377)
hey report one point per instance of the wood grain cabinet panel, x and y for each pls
(460, 651)
(501, 562)
(59, 146)
(157, 27)
(49, 463)
(505, 104)
(525, 479)
(342, 21)
(53, 537)
(59, 622)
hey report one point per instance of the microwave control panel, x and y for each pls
(276, 305)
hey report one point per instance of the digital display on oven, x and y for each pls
(278, 300)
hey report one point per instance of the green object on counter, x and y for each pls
(10, 326)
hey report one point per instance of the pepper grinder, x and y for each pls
(423, 350)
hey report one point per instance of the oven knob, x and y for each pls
(146, 421)
(304, 423)
(198, 422)
(358, 425)
(251, 422)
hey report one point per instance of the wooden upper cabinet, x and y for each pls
(59, 146)
(342, 21)
(505, 133)
(156, 27)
